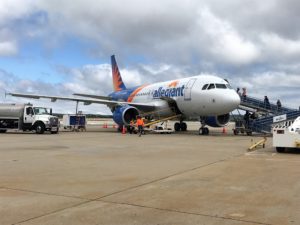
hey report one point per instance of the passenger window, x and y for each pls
(211, 86)
(204, 87)
(221, 86)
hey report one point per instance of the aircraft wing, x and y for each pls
(109, 103)
(93, 96)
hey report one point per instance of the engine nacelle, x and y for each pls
(124, 114)
(217, 121)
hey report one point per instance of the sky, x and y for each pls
(62, 47)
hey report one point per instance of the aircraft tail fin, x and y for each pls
(116, 76)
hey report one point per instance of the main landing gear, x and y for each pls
(180, 126)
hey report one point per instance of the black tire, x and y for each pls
(39, 128)
(280, 149)
(235, 132)
(177, 126)
(3, 131)
(203, 131)
(183, 126)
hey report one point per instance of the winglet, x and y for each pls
(116, 76)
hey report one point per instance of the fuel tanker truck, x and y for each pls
(27, 117)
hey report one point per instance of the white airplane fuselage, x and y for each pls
(191, 96)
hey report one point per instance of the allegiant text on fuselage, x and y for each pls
(168, 92)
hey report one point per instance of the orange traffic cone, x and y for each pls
(123, 130)
(224, 130)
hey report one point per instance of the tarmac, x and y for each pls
(104, 177)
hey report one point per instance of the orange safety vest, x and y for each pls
(140, 122)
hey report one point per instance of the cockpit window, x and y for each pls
(204, 87)
(221, 86)
(211, 86)
(229, 86)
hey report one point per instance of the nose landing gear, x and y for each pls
(203, 130)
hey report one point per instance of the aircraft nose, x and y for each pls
(231, 101)
(234, 100)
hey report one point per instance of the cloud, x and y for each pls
(252, 43)
(226, 43)
(281, 47)
(8, 48)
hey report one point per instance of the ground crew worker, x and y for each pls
(140, 125)
(131, 127)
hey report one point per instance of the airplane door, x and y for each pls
(188, 89)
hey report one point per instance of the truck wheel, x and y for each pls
(40, 128)
(280, 149)
(3, 131)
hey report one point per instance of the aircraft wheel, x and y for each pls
(177, 126)
(203, 131)
(183, 126)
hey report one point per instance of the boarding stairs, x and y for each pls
(260, 106)
(265, 114)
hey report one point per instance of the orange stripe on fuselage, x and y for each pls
(133, 94)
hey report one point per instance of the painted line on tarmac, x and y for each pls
(117, 192)
(184, 212)
(44, 193)
(169, 176)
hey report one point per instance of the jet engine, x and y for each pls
(122, 115)
(217, 121)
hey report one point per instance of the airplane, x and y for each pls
(209, 98)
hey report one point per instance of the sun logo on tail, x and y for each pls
(173, 84)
